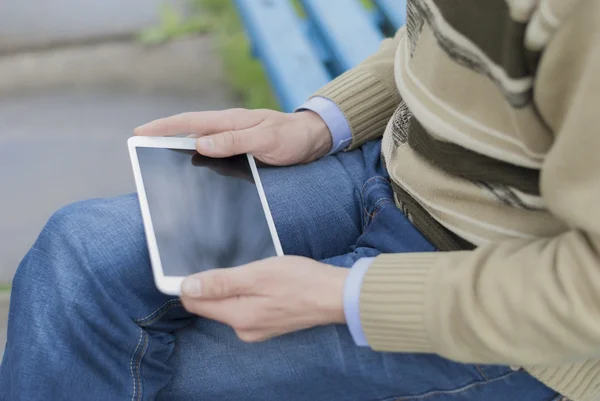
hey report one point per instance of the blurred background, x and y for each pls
(77, 76)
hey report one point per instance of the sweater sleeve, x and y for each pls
(367, 94)
(516, 302)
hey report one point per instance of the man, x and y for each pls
(488, 118)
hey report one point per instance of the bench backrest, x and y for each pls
(301, 54)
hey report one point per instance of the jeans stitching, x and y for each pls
(455, 391)
(164, 311)
(368, 229)
(481, 373)
(142, 322)
(362, 195)
(131, 364)
(377, 177)
(139, 363)
(380, 202)
(158, 310)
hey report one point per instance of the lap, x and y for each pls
(322, 364)
(316, 207)
(101, 242)
(320, 212)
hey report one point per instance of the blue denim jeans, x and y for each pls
(87, 323)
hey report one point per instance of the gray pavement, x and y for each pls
(4, 298)
(35, 23)
(65, 117)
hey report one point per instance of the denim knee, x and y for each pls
(87, 246)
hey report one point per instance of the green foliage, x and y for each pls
(368, 4)
(244, 73)
(4, 288)
(299, 9)
(220, 18)
(173, 25)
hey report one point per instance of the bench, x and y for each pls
(302, 51)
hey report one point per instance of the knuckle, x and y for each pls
(186, 115)
(230, 139)
(240, 115)
(187, 121)
(262, 111)
(220, 285)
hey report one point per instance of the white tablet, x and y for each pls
(199, 213)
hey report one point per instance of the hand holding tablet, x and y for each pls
(199, 213)
(208, 210)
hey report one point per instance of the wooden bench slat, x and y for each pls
(346, 28)
(394, 11)
(294, 68)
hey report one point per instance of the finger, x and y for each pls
(218, 283)
(229, 143)
(200, 123)
(222, 310)
(239, 313)
(231, 312)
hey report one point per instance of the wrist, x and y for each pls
(330, 297)
(318, 136)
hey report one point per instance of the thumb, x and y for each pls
(217, 284)
(230, 143)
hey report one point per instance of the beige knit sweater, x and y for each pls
(490, 116)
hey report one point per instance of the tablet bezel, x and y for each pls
(171, 285)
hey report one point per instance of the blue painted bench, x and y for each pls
(301, 54)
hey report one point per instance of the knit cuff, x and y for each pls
(573, 381)
(365, 101)
(394, 303)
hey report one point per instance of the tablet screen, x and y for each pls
(206, 212)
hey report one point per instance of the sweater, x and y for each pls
(489, 130)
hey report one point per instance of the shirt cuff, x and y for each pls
(341, 134)
(352, 298)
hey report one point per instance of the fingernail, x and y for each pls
(206, 143)
(192, 286)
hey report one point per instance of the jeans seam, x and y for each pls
(376, 177)
(367, 228)
(362, 196)
(380, 202)
(138, 353)
(483, 375)
(133, 377)
(138, 364)
(159, 312)
(454, 391)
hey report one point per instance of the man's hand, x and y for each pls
(269, 298)
(272, 137)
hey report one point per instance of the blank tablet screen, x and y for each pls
(206, 212)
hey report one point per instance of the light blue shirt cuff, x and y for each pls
(341, 134)
(352, 298)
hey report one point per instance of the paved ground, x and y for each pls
(3, 319)
(39, 22)
(65, 117)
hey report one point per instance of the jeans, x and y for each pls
(87, 322)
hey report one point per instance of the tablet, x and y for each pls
(199, 213)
